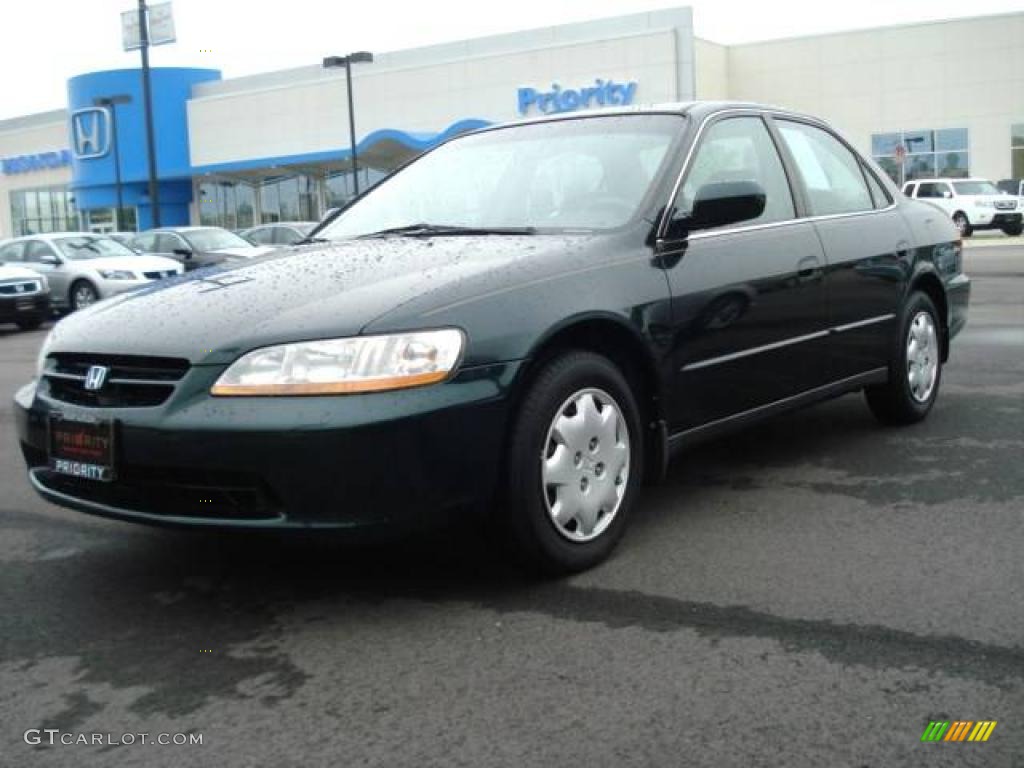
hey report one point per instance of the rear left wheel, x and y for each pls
(575, 464)
(915, 370)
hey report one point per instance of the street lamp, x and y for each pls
(359, 57)
(112, 102)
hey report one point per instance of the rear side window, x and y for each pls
(11, 252)
(830, 171)
(740, 149)
(878, 193)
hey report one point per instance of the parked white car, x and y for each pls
(82, 267)
(971, 203)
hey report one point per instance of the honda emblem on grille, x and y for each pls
(96, 377)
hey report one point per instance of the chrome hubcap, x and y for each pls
(922, 356)
(585, 465)
(84, 296)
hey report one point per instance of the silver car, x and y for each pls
(83, 267)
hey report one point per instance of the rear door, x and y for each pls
(748, 301)
(866, 243)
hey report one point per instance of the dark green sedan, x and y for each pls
(517, 329)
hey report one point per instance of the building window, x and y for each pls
(227, 204)
(908, 155)
(1017, 151)
(43, 209)
(340, 188)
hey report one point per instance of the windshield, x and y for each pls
(215, 239)
(975, 188)
(91, 247)
(585, 173)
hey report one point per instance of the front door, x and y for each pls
(748, 299)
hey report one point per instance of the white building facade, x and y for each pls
(935, 98)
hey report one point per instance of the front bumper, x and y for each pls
(402, 458)
(24, 307)
(998, 219)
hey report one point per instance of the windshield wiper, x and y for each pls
(311, 240)
(429, 230)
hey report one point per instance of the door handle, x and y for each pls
(808, 268)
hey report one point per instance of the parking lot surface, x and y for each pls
(810, 592)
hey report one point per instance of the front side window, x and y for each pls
(740, 149)
(216, 239)
(573, 174)
(830, 171)
(145, 243)
(37, 251)
(930, 189)
(167, 242)
(261, 236)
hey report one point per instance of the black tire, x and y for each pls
(894, 401)
(82, 287)
(963, 224)
(524, 519)
(29, 323)
(1013, 230)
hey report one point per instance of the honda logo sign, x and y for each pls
(96, 377)
(90, 132)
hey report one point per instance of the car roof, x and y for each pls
(179, 229)
(698, 109)
(948, 178)
(54, 235)
(282, 224)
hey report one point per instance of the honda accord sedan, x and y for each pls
(83, 267)
(518, 329)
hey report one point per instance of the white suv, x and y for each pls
(971, 203)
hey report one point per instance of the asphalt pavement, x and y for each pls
(811, 592)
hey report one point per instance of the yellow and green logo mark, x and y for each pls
(958, 730)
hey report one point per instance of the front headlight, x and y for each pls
(117, 274)
(44, 284)
(345, 366)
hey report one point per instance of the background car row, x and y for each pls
(67, 271)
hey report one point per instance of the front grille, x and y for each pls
(131, 381)
(20, 288)
(159, 275)
(175, 492)
(1006, 205)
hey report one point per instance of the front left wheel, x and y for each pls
(83, 294)
(575, 464)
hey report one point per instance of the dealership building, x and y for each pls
(937, 98)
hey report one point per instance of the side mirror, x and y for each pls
(726, 202)
(50, 259)
(183, 252)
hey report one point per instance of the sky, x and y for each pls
(45, 43)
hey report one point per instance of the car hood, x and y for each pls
(212, 315)
(9, 272)
(136, 264)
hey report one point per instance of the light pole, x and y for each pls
(112, 102)
(359, 57)
(147, 97)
